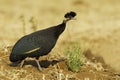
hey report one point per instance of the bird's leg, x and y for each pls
(22, 63)
(38, 64)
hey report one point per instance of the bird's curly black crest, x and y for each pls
(70, 15)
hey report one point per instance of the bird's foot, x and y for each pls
(40, 69)
(38, 64)
(22, 63)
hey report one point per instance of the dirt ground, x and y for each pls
(96, 28)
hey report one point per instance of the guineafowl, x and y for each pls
(38, 43)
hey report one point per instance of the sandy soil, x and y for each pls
(97, 29)
(54, 67)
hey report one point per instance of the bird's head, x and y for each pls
(69, 16)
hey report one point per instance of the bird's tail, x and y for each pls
(69, 16)
(15, 58)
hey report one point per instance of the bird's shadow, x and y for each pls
(43, 63)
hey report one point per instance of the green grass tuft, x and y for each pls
(74, 58)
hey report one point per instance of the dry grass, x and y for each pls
(54, 70)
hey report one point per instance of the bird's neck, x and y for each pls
(60, 28)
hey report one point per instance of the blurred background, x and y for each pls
(96, 28)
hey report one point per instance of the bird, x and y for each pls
(38, 43)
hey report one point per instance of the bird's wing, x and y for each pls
(25, 46)
(33, 50)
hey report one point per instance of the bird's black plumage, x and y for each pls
(38, 43)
